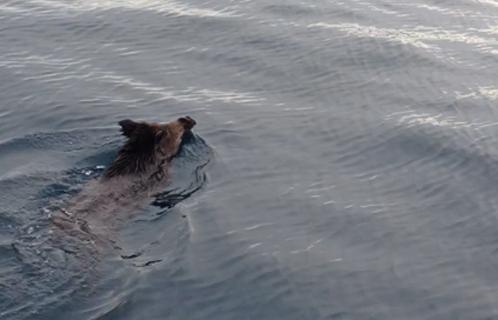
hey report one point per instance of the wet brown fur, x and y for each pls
(138, 152)
(148, 145)
(138, 172)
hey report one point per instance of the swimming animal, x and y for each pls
(139, 171)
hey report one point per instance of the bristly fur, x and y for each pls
(137, 153)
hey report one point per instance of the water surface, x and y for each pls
(352, 152)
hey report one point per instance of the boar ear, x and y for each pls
(128, 126)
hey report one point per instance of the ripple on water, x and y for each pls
(69, 267)
(169, 7)
(355, 170)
